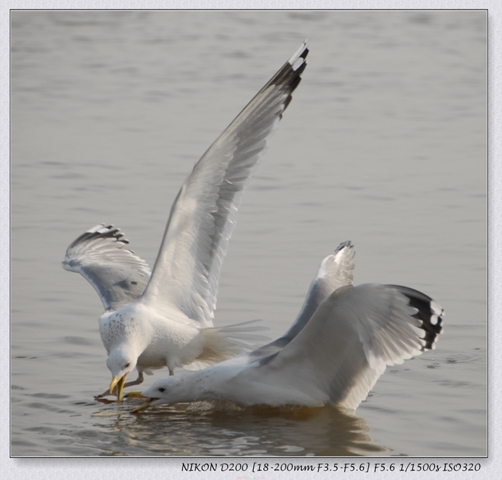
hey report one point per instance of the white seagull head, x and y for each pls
(173, 389)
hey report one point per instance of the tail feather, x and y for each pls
(222, 343)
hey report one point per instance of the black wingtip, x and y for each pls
(101, 231)
(297, 60)
(428, 311)
(289, 75)
(346, 244)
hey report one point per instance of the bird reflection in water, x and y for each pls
(224, 429)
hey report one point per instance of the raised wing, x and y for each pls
(334, 272)
(354, 334)
(100, 255)
(203, 216)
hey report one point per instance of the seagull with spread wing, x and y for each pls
(165, 318)
(333, 354)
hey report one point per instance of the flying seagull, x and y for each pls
(165, 318)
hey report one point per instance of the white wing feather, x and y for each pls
(347, 344)
(116, 273)
(187, 269)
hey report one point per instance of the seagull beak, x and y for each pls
(119, 383)
(144, 406)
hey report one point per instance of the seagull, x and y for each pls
(165, 317)
(333, 354)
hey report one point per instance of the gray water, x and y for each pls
(384, 144)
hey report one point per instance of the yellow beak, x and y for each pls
(144, 406)
(119, 383)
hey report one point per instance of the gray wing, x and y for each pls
(334, 272)
(347, 344)
(203, 216)
(117, 274)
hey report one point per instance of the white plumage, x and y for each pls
(166, 318)
(340, 344)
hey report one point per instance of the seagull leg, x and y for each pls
(135, 382)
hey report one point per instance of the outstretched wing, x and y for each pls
(186, 272)
(354, 334)
(100, 255)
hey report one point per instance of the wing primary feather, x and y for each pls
(352, 336)
(429, 312)
(101, 257)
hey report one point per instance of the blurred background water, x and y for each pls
(384, 144)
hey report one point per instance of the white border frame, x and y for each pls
(166, 468)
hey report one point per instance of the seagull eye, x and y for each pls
(127, 364)
(162, 389)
